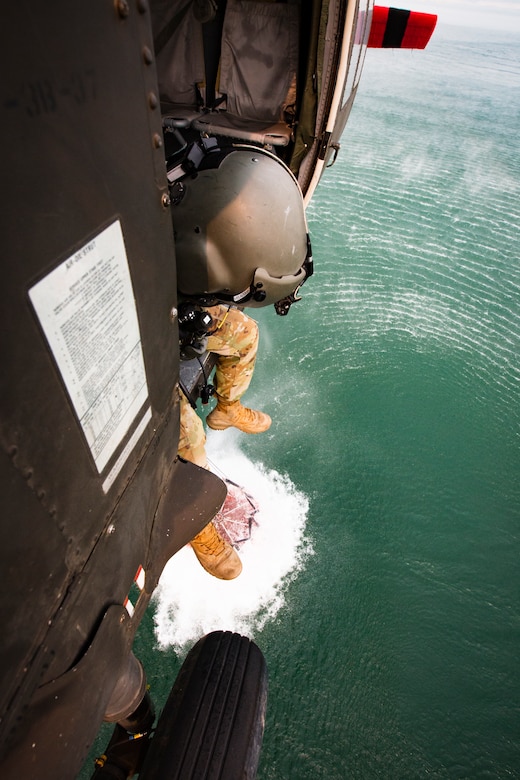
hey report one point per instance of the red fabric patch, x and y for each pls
(418, 30)
(378, 27)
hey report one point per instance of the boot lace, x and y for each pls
(214, 545)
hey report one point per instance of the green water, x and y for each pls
(397, 655)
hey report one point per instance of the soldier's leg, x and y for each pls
(214, 554)
(235, 340)
(192, 439)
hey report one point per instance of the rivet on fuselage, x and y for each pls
(122, 7)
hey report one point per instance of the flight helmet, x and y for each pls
(241, 234)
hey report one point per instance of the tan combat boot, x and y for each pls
(215, 555)
(234, 415)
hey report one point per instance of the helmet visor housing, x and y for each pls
(240, 230)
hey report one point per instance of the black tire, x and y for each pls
(212, 725)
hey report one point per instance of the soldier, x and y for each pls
(241, 240)
(234, 337)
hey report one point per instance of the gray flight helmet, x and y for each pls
(240, 230)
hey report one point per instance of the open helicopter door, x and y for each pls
(338, 61)
(95, 499)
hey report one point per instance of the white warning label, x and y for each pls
(87, 310)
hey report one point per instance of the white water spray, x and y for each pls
(189, 602)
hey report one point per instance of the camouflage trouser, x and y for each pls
(236, 341)
(192, 439)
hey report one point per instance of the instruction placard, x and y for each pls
(87, 311)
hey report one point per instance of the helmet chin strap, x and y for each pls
(282, 307)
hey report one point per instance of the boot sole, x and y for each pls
(244, 430)
(218, 426)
